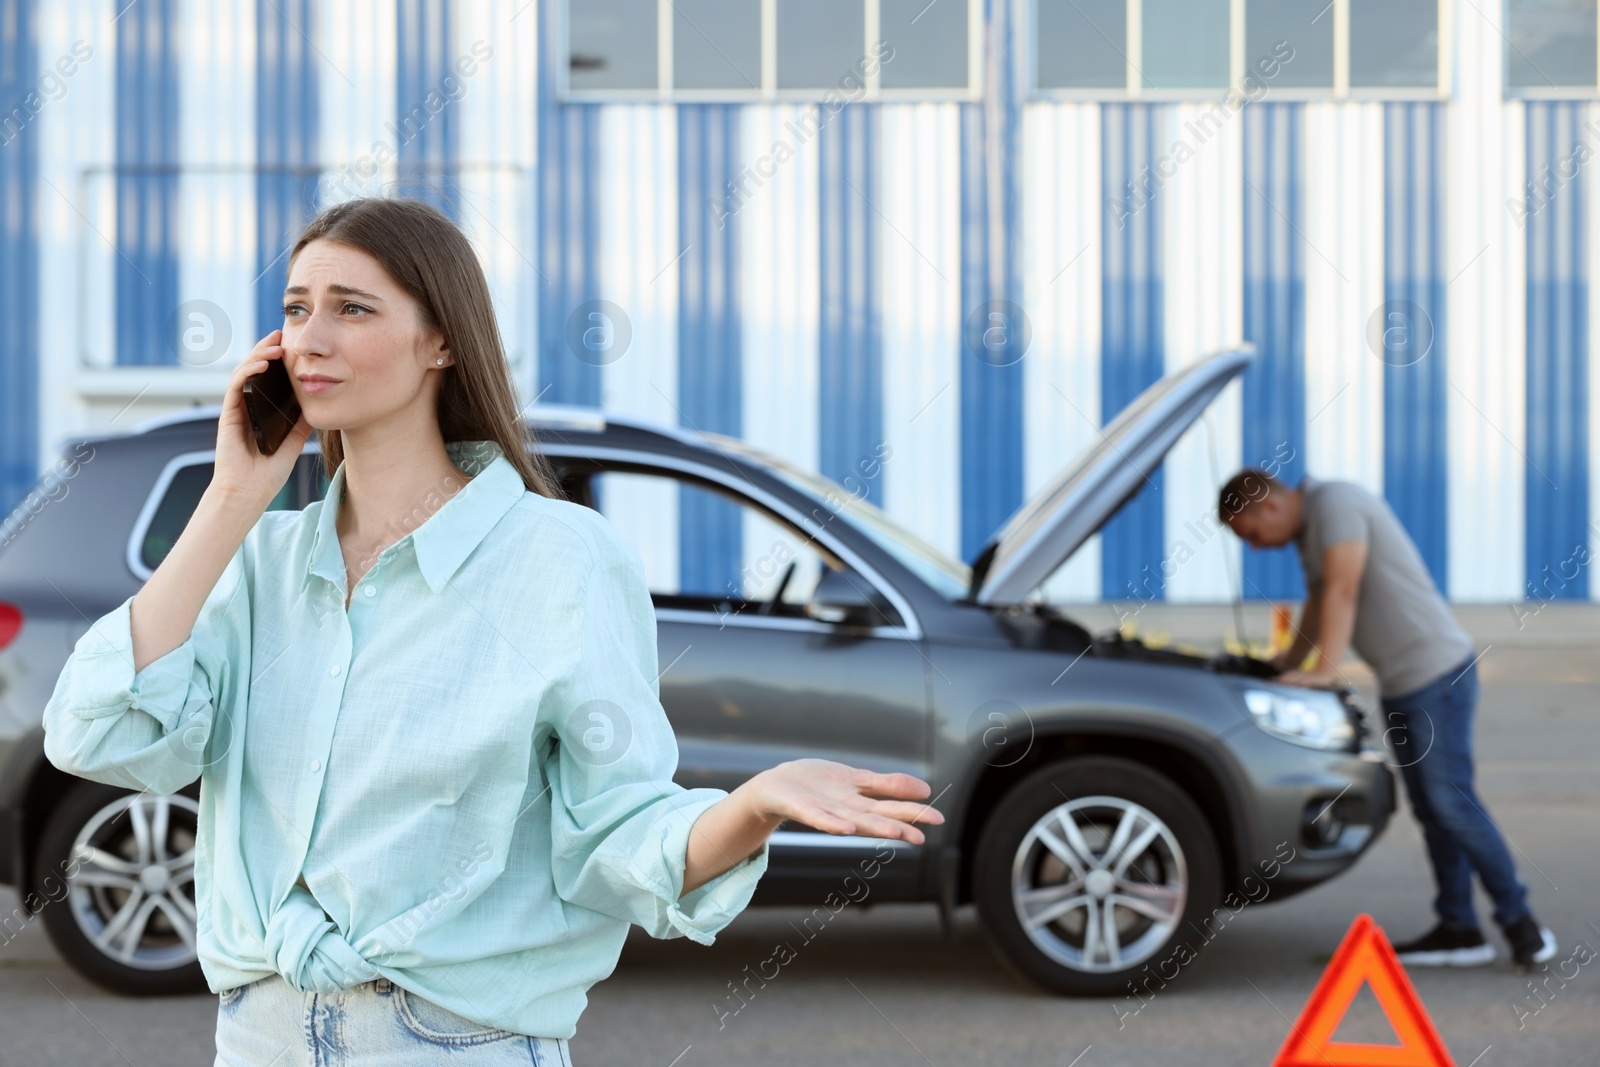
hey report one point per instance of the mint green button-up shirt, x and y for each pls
(462, 783)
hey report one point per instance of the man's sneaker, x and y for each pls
(1447, 945)
(1530, 942)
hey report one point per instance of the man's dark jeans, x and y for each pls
(1431, 731)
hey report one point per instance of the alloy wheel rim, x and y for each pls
(132, 895)
(1099, 884)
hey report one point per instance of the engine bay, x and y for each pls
(1043, 626)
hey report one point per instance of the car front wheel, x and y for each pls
(114, 872)
(1091, 870)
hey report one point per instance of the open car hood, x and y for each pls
(1051, 526)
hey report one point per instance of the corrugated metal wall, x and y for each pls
(1557, 351)
(1274, 402)
(19, 256)
(965, 291)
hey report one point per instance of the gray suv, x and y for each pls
(1104, 799)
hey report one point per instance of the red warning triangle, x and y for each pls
(1364, 955)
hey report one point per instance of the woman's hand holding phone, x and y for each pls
(241, 471)
(243, 483)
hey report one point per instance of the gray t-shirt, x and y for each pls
(1403, 629)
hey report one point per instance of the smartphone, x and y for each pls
(271, 405)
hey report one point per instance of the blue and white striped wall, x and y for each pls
(807, 279)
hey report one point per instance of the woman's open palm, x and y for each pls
(840, 799)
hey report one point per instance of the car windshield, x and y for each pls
(951, 578)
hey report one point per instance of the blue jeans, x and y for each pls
(1431, 731)
(376, 1023)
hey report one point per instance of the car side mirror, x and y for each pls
(843, 597)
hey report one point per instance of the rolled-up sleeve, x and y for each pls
(150, 729)
(620, 825)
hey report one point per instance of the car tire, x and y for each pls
(1025, 865)
(143, 848)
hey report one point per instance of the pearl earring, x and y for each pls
(440, 362)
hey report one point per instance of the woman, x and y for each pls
(436, 778)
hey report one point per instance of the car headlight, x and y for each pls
(1309, 717)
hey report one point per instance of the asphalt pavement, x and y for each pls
(879, 985)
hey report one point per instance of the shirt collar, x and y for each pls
(448, 536)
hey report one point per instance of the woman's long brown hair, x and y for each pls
(430, 258)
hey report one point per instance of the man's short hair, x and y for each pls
(1244, 490)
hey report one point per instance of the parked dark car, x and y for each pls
(1103, 798)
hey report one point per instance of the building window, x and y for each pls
(611, 44)
(1083, 44)
(1550, 48)
(742, 50)
(1184, 44)
(1307, 26)
(716, 44)
(1394, 43)
(932, 43)
(1200, 49)
(816, 39)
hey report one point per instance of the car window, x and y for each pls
(948, 577)
(704, 548)
(182, 496)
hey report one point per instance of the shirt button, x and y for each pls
(334, 670)
(316, 765)
(371, 591)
